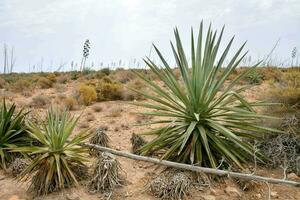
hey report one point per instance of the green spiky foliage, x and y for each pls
(57, 155)
(12, 132)
(204, 119)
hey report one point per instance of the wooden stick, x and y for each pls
(194, 168)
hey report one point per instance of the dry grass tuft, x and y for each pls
(97, 108)
(99, 138)
(40, 101)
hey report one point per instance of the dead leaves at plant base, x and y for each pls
(171, 184)
(137, 142)
(106, 174)
(99, 138)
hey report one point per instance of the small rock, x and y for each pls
(208, 197)
(231, 191)
(118, 148)
(293, 176)
(274, 195)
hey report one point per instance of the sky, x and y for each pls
(50, 33)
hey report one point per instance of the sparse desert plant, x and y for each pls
(12, 132)
(2, 83)
(70, 103)
(106, 174)
(115, 112)
(20, 86)
(254, 77)
(56, 156)
(137, 84)
(203, 123)
(85, 94)
(40, 101)
(137, 142)
(59, 87)
(62, 79)
(51, 77)
(44, 83)
(109, 91)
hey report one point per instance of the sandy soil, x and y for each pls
(120, 119)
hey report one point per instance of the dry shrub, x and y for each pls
(85, 94)
(51, 77)
(286, 90)
(99, 138)
(123, 76)
(40, 101)
(63, 79)
(18, 165)
(137, 142)
(20, 86)
(70, 103)
(136, 84)
(44, 83)
(106, 174)
(171, 185)
(2, 83)
(59, 87)
(107, 91)
(284, 152)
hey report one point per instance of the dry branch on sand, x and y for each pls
(195, 168)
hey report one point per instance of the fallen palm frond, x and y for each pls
(106, 174)
(171, 185)
(137, 142)
(99, 138)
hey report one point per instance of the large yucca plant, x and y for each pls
(12, 132)
(56, 156)
(205, 119)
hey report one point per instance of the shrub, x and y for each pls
(57, 154)
(12, 132)
(70, 103)
(129, 94)
(44, 83)
(2, 83)
(20, 86)
(105, 71)
(286, 90)
(254, 77)
(40, 101)
(203, 122)
(109, 91)
(51, 77)
(62, 79)
(85, 94)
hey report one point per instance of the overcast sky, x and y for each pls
(54, 30)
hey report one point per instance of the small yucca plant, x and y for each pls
(57, 155)
(205, 119)
(12, 132)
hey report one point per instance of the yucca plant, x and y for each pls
(12, 132)
(57, 155)
(204, 119)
